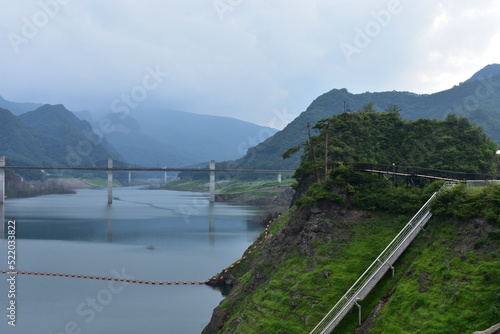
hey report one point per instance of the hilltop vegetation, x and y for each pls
(476, 99)
(446, 282)
(369, 136)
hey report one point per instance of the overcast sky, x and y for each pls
(248, 59)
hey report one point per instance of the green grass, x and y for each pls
(196, 185)
(234, 187)
(298, 295)
(100, 183)
(298, 292)
(461, 292)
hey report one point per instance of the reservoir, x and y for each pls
(150, 235)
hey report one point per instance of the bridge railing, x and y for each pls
(418, 171)
(377, 269)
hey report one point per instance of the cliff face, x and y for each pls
(446, 282)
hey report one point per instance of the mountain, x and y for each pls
(51, 135)
(446, 281)
(20, 143)
(477, 99)
(155, 137)
(18, 108)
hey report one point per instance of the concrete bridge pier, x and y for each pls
(110, 181)
(2, 180)
(129, 177)
(211, 166)
(279, 177)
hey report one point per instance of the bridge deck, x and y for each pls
(148, 169)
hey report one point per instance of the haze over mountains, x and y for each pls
(176, 138)
(36, 134)
(53, 135)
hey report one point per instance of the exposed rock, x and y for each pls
(326, 273)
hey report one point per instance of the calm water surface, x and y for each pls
(81, 234)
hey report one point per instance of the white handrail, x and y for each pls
(378, 268)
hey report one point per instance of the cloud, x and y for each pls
(251, 58)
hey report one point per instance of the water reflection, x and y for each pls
(211, 224)
(2, 219)
(109, 215)
(81, 234)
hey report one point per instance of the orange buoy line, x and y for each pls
(245, 257)
(214, 279)
(105, 278)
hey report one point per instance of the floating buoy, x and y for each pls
(41, 273)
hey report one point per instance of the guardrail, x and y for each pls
(378, 268)
(422, 172)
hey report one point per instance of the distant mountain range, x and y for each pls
(18, 108)
(175, 138)
(53, 135)
(477, 99)
(36, 134)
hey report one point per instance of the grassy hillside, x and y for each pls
(446, 282)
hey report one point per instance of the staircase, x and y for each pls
(378, 268)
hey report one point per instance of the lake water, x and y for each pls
(149, 235)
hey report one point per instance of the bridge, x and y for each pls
(110, 169)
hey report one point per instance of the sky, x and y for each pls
(262, 61)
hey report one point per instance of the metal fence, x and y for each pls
(422, 172)
(378, 268)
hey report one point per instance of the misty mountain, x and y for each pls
(176, 138)
(477, 99)
(18, 108)
(20, 143)
(51, 135)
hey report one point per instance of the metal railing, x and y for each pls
(421, 172)
(378, 268)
